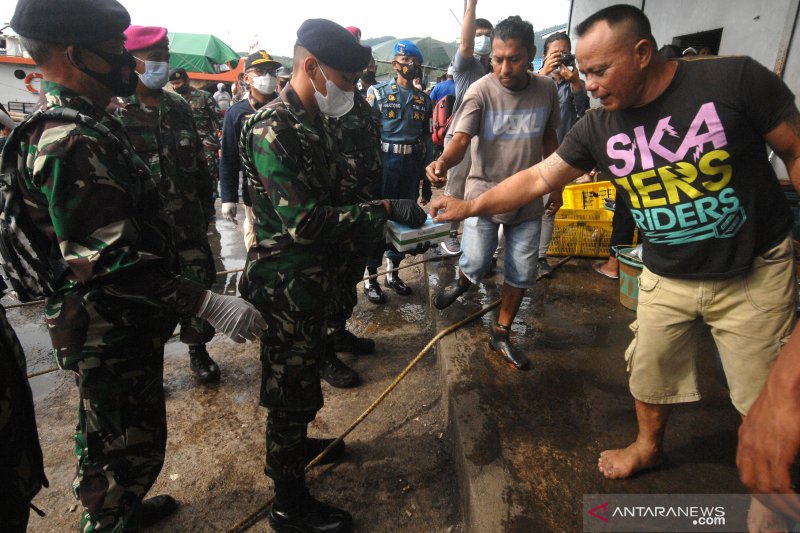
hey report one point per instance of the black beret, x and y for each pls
(178, 74)
(333, 45)
(70, 21)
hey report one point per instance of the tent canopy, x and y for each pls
(199, 52)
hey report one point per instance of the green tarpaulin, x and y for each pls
(199, 52)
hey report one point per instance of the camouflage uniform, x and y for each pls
(110, 315)
(21, 467)
(208, 120)
(359, 175)
(166, 139)
(290, 164)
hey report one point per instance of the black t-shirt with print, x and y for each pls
(692, 165)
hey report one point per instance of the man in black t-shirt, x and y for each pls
(685, 142)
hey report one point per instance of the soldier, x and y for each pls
(359, 171)
(404, 113)
(260, 77)
(163, 133)
(289, 160)
(91, 198)
(207, 118)
(21, 467)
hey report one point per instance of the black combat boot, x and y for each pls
(373, 289)
(296, 511)
(334, 371)
(450, 292)
(499, 343)
(393, 280)
(157, 508)
(206, 370)
(344, 341)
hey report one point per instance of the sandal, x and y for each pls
(597, 268)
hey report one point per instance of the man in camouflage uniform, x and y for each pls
(359, 174)
(289, 159)
(163, 133)
(21, 467)
(208, 119)
(116, 297)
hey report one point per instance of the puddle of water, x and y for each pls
(412, 313)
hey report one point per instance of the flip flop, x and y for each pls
(596, 268)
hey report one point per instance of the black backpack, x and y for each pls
(24, 249)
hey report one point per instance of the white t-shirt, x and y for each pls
(509, 126)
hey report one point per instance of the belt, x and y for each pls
(402, 149)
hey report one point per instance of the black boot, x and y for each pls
(296, 511)
(344, 341)
(450, 293)
(313, 447)
(373, 290)
(499, 342)
(394, 282)
(206, 370)
(157, 508)
(334, 371)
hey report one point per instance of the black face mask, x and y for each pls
(408, 70)
(368, 77)
(116, 79)
(184, 89)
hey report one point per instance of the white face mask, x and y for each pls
(336, 103)
(265, 85)
(483, 45)
(156, 74)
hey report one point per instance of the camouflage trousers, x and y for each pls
(344, 296)
(290, 292)
(211, 154)
(116, 349)
(197, 264)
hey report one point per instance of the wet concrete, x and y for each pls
(526, 443)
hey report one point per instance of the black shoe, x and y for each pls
(544, 268)
(157, 508)
(206, 370)
(344, 341)
(500, 343)
(338, 374)
(397, 285)
(374, 293)
(314, 447)
(309, 516)
(450, 293)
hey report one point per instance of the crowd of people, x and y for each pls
(112, 183)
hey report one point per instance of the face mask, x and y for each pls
(156, 74)
(337, 103)
(120, 78)
(408, 70)
(265, 84)
(184, 89)
(483, 45)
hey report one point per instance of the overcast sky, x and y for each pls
(239, 22)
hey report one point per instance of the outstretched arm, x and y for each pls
(467, 46)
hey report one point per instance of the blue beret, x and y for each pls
(333, 45)
(70, 22)
(407, 48)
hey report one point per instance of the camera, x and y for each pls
(568, 60)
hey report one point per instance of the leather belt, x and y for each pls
(402, 149)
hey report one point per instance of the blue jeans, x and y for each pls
(478, 243)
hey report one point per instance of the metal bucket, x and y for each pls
(629, 269)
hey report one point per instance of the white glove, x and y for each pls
(233, 316)
(229, 211)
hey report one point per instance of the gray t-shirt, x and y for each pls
(466, 71)
(509, 126)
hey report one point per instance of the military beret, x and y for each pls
(178, 74)
(260, 59)
(141, 37)
(333, 45)
(407, 48)
(73, 22)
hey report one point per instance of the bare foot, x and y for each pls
(624, 462)
(761, 519)
(609, 269)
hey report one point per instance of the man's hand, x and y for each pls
(233, 316)
(406, 212)
(769, 437)
(437, 173)
(449, 209)
(229, 211)
(551, 63)
(570, 74)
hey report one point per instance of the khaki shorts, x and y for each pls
(750, 317)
